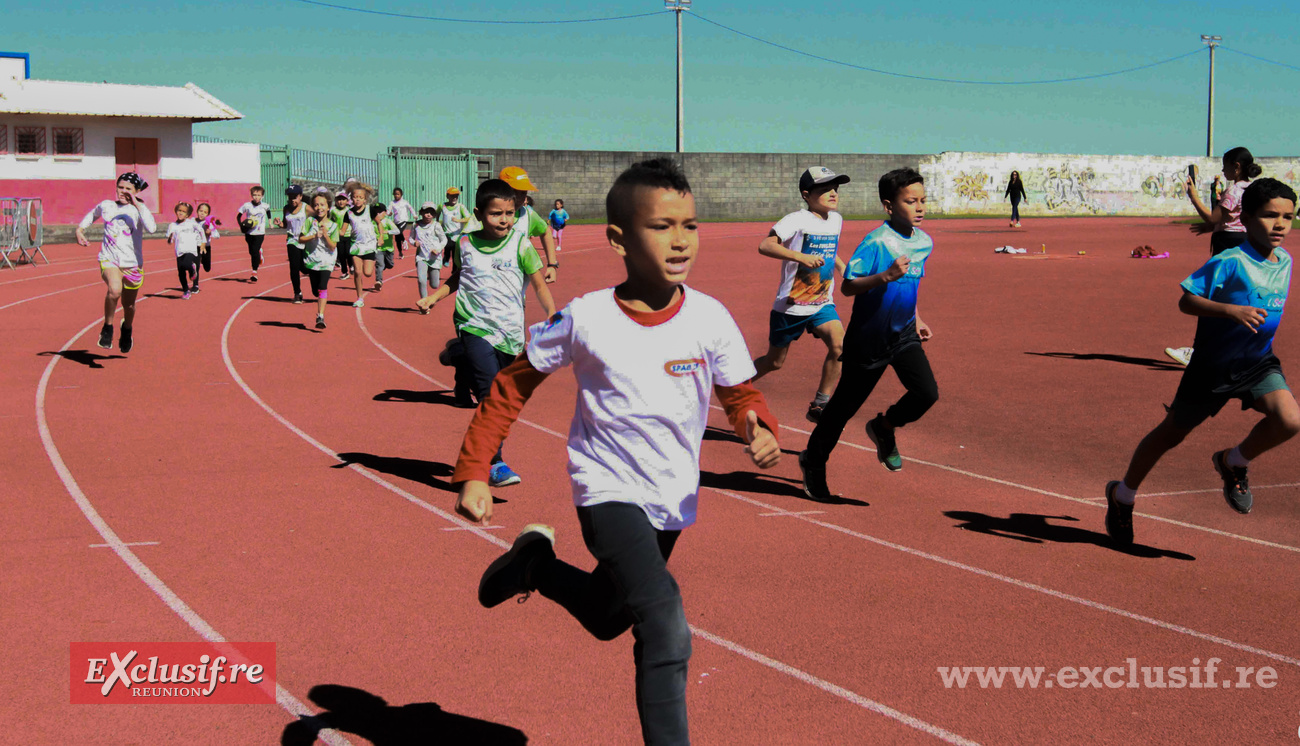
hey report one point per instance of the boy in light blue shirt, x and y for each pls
(1238, 295)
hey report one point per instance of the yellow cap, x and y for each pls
(453, 190)
(517, 178)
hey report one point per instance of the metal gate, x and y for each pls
(276, 170)
(22, 227)
(426, 178)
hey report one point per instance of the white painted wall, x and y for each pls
(227, 163)
(98, 161)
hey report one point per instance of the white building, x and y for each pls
(66, 143)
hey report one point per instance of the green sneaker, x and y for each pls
(886, 446)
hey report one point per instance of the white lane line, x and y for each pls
(1253, 487)
(69, 290)
(462, 524)
(791, 512)
(969, 568)
(286, 700)
(485, 528)
(1093, 501)
(128, 544)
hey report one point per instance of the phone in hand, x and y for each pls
(1192, 174)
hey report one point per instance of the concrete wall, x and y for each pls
(762, 186)
(727, 186)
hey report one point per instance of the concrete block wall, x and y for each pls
(764, 186)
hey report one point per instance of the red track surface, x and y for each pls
(812, 620)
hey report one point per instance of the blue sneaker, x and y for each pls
(502, 475)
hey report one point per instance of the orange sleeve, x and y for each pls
(487, 431)
(739, 399)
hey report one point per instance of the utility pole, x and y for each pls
(1212, 41)
(677, 6)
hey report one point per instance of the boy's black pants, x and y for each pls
(631, 587)
(482, 363)
(857, 382)
(254, 249)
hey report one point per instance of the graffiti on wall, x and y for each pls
(972, 185)
(1164, 184)
(1065, 188)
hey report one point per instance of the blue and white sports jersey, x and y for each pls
(1239, 276)
(884, 319)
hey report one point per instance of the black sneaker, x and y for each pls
(253, 278)
(511, 573)
(379, 285)
(124, 342)
(814, 414)
(320, 322)
(106, 337)
(195, 288)
(814, 480)
(297, 299)
(886, 445)
(1236, 485)
(1119, 517)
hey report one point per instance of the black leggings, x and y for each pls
(631, 587)
(206, 258)
(295, 269)
(399, 238)
(856, 383)
(1015, 211)
(319, 279)
(187, 266)
(255, 249)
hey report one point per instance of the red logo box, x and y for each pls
(227, 673)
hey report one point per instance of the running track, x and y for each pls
(265, 482)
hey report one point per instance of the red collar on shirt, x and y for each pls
(652, 318)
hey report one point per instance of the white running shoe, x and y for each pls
(359, 303)
(1180, 355)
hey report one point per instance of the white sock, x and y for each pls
(1234, 458)
(1124, 494)
(821, 399)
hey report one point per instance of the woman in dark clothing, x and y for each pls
(1016, 191)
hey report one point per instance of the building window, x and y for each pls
(69, 141)
(29, 140)
(4, 140)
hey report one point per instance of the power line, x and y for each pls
(944, 80)
(414, 17)
(1256, 57)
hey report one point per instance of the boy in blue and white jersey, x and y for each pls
(885, 330)
(1238, 295)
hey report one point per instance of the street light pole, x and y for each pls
(1212, 41)
(677, 6)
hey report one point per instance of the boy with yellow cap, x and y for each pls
(527, 221)
(454, 216)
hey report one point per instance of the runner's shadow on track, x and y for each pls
(727, 436)
(415, 470)
(83, 357)
(1149, 363)
(165, 294)
(274, 299)
(287, 325)
(369, 716)
(1032, 528)
(396, 310)
(444, 397)
(767, 484)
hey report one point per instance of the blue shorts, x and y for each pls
(784, 328)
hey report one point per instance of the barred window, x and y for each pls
(69, 141)
(4, 140)
(29, 140)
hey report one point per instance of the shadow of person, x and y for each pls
(82, 357)
(397, 310)
(444, 397)
(1149, 363)
(361, 713)
(767, 484)
(727, 436)
(287, 325)
(415, 470)
(1032, 528)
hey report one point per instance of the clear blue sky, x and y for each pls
(352, 83)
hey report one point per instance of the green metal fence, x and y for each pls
(426, 178)
(276, 171)
(331, 168)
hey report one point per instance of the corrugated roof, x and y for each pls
(112, 100)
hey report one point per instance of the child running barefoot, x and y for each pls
(320, 238)
(252, 218)
(647, 354)
(121, 256)
(1238, 297)
(210, 234)
(490, 268)
(807, 243)
(1223, 221)
(365, 240)
(885, 330)
(388, 232)
(186, 236)
(428, 239)
(558, 219)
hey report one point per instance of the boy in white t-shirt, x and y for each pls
(807, 242)
(186, 236)
(428, 238)
(252, 219)
(648, 354)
